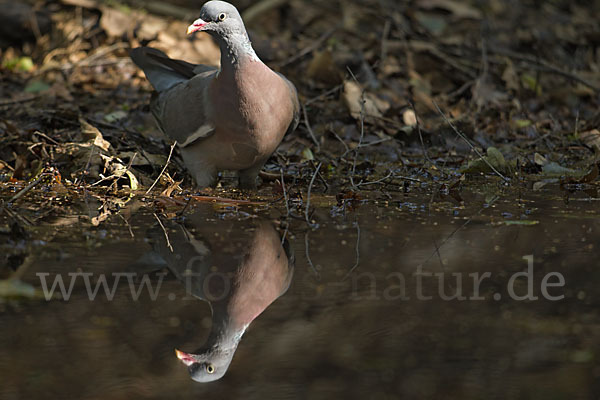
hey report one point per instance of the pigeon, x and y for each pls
(227, 118)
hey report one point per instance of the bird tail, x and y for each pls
(162, 71)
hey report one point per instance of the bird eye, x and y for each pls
(222, 16)
(210, 369)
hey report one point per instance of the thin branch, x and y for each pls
(312, 47)
(285, 196)
(362, 129)
(310, 263)
(163, 170)
(463, 137)
(26, 189)
(309, 129)
(312, 181)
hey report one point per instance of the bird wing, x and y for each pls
(182, 90)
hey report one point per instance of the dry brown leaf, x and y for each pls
(591, 138)
(93, 134)
(353, 97)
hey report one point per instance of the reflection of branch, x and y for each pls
(165, 232)
(310, 263)
(357, 252)
(467, 222)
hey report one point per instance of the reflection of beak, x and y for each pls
(198, 25)
(185, 358)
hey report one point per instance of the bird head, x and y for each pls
(218, 18)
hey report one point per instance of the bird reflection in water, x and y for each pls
(239, 267)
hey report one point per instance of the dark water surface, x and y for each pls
(371, 311)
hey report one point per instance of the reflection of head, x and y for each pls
(207, 366)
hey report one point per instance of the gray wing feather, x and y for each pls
(182, 90)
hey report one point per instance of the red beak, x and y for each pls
(198, 25)
(185, 358)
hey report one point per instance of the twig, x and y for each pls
(41, 134)
(309, 129)
(19, 101)
(323, 181)
(463, 137)
(425, 153)
(26, 189)
(163, 170)
(362, 129)
(4, 164)
(285, 197)
(324, 94)
(165, 232)
(544, 66)
(341, 141)
(377, 181)
(387, 139)
(309, 49)
(312, 181)
(126, 223)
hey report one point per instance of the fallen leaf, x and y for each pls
(307, 154)
(494, 158)
(93, 134)
(591, 138)
(362, 103)
(539, 159)
(115, 116)
(555, 170)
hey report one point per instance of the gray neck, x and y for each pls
(235, 47)
(224, 335)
